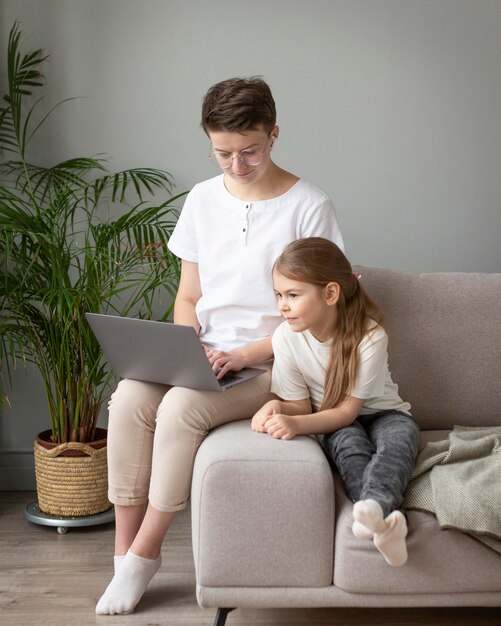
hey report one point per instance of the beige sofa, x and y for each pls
(272, 525)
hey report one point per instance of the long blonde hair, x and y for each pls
(318, 261)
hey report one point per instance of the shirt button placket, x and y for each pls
(244, 229)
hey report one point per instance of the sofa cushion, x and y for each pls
(262, 511)
(444, 348)
(440, 561)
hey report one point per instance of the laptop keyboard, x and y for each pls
(229, 377)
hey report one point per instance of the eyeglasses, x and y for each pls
(249, 157)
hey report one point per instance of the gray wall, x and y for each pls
(393, 107)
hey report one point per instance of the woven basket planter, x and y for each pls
(72, 478)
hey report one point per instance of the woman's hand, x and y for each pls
(264, 413)
(281, 426)
(249, 354)
(223, 362)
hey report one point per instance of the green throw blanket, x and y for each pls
(459, 480)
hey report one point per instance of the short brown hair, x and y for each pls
(238, 105)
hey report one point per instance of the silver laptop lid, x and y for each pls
(159, 352)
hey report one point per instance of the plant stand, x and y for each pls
(33, 514)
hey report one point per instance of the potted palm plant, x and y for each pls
(60, 258)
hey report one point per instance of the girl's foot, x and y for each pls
(128, 585)
(361, 532)
(391, 543)
(368, 513)
(388, 533)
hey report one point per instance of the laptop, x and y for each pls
(160, 352)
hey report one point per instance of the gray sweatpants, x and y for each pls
(375, 456)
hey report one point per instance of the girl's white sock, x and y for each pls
(391, 543)
(361, 532)
(369, 514)
(388, 533)
(128, 585)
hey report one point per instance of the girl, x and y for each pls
(331, 373)
(230, 231)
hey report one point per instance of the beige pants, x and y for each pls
(154, 432)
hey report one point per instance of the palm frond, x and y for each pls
(140, 179)
(61, 257)
(23, 75)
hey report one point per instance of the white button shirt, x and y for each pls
(235, 244)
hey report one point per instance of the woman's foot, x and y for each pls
(117, 559)
(128, 585)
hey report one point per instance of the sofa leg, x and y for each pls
(221, 616)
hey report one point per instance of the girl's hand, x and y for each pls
(265, 412)
(281, 426)
(223, 362)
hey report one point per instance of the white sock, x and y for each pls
(369, 514)
(128, 585)
(391, 543)
(117, 559)
(361, 532)
(389, 533)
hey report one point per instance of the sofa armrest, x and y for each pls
(262, 511)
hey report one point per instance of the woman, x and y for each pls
(230, 231)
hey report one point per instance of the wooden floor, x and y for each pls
(52, 579)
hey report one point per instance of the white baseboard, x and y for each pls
(17, 471)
